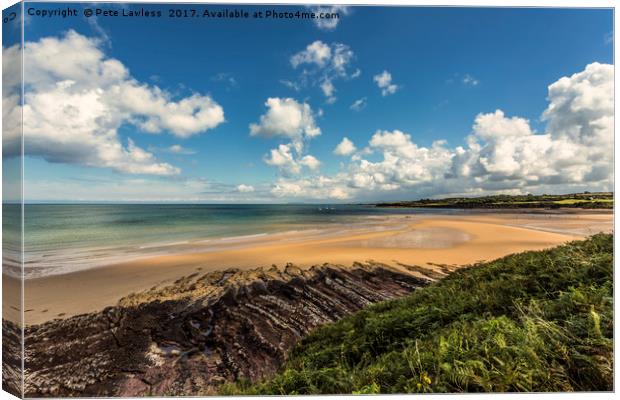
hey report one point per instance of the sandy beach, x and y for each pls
(420, 240)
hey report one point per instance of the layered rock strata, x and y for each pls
(204, 330)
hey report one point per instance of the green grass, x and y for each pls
(563, 202)
(535, 321)
(602, 200)
(575, 201)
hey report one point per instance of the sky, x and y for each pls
(385, 103)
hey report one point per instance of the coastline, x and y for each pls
(426, 240)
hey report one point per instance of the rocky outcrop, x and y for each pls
(11, 358)
(204, 330)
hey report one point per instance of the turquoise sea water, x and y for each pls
(64, 237)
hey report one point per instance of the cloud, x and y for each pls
(328, 90)
(342, 56)
(403, 164)
(97, 188)
(345, 148)
(581, 114)
(245, 188)
(288, 163)
(103, 34)
(311, 162)
(359, 104)
(503, 154)
(76, 99)
(178, 149)
(329, 24)
(384, 82)
(282, 157)
(502, 148)
(316, 52)
(470, 80)
(465, 79)
(581, 106)
(324, 64)
(290, 84)
(574, 150)
(321, 187)
(286, 118)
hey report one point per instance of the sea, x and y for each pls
(61, 238)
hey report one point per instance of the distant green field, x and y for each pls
(602, 200)
(539, 321)
(577, 201)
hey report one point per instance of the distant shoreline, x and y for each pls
(585, 200)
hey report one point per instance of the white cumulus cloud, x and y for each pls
(76, 99)
(345, 148)
(316, 52)
(311, 162)
(574, 150)
(384, 82)
(287, 118)
(404, 163)
(503, 154)
(288, 163)
(324, 63)
(320, 187)
(283, 158)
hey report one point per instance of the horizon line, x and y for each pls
(175, 202)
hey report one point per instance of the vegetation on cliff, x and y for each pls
(535, 321)
(599, 200)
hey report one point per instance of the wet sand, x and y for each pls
(420, 240)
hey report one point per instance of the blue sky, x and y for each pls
(448, 65)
